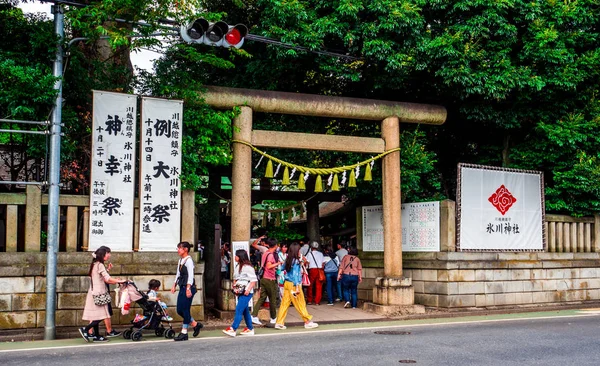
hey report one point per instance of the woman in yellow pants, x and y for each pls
(292, 290)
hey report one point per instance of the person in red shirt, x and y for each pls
(268, 283)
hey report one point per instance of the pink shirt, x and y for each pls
(269, 257)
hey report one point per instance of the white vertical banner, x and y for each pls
(500, 209)
(112, 172)
(420, 227)
(160, 167)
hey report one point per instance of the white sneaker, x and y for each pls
(347, 304)
(247, 331)
(310, 325)
(229, 331)
(256, 321)
(273, 321)
(280, 326)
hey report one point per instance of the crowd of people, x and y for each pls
(296, 274)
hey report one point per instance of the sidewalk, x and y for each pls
(330, 317)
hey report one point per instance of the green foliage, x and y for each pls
(207, 132)
(26, 86)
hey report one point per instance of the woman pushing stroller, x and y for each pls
(98, 297)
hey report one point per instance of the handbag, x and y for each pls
(322, 275)
(102, 299)
(305, 279)
(321, 270)
(238, 289)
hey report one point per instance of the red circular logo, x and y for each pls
(502, 199)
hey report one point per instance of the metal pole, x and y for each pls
(54, 180)
(24, 131)
(44, 123)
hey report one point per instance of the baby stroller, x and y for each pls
(152, 318)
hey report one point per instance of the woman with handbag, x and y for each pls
(187, 289)
(96, 303)
(244, 280)
(350, 273)
(292, 289)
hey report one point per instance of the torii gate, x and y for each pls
(392, 290)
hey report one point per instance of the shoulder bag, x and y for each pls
(320, 269)
(102, 299)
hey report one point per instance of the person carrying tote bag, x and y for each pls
(96, 302)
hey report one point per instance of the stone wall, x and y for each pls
(489, 280)
(23, 286)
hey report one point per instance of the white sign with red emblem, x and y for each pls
(500, 209)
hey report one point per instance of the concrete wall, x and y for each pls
(23, 286)
(490, 280)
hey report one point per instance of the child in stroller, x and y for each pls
(151, 318)
(153, 286)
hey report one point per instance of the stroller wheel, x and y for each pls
(169, 334)
(127, 333)
(136, 336)
(160, 332)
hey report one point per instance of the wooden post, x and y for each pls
(11, 227)
(33, 218)
(187, 216)
(448, 226)
(596, 232)
(72, 228)
(86, 229)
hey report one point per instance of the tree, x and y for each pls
(506, 70)
(26, 88)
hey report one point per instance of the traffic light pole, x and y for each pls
(54, 178)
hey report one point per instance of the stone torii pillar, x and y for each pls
(392, 291)
(241, 178)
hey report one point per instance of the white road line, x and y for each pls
(284, 333)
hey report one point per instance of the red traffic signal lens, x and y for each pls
(234, 37)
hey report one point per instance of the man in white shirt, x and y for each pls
(304, 248)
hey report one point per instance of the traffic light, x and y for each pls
(214, 34)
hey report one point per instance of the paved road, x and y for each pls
(554, 339)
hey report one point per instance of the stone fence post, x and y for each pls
(447, 226)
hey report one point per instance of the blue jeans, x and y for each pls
(184, 305)
(331, 278)
(242, 310)
(350, 284)
(340, 293)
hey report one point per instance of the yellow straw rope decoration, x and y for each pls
(316, 171)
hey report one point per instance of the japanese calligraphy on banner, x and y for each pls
(420, 227)
(160, 166)
(500, 209)
(113, 166)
